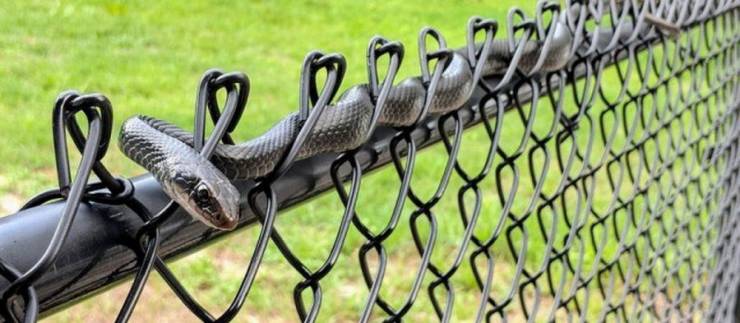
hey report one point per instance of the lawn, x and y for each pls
(147, 58)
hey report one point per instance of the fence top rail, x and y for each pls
(103, 247)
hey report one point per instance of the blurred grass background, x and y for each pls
(147, 58)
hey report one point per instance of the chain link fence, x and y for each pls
(607, 190)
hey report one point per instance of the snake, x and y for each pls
(204, 187)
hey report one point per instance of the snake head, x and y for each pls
(206, 194)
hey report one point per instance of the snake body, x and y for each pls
(203, 186)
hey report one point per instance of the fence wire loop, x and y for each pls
(605, 190)
(237, 93)
(441, 57)
(96, 109)
(211, 82)
(334, 65)
(311, 102)
(377, 48)
(477, 55)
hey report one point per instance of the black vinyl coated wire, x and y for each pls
(656, 141)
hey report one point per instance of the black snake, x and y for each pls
(203, 188)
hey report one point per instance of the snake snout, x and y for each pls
(206, 194)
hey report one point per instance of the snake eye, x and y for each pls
(202, 193)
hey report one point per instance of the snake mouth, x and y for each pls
(219, 221)
(220, 214)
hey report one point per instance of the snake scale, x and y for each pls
(203, 187)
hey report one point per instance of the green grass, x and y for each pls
(147, 58)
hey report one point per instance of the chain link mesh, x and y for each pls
(606, 191)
